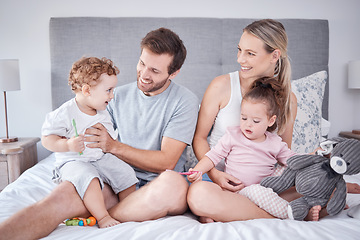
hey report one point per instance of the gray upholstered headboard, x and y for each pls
(211, 45)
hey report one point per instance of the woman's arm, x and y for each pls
(216, 97)
(287, 135)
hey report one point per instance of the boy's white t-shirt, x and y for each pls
(59, 122)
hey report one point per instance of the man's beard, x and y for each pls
(154, 88)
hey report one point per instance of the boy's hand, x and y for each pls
(76, 144)
(197, 176)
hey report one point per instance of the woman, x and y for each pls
(262, 52)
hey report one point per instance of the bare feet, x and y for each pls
(353, 188)
(314, 214)
(206, 220)
(107, 221)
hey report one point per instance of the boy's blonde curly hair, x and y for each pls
(87, 70)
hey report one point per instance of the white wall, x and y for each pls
(24, 35)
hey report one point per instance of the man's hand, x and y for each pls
(227, 181)
(99, 138)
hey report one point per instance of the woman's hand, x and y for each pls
(99, 138)
(227, 181)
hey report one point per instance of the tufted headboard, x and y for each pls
(211, 44)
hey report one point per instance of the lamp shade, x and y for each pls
(354, 74)
(9, 75)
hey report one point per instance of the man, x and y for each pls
(156, 119)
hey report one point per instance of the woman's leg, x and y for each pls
(207, 199)
(290, 194)
(41, 218)
(165, 195)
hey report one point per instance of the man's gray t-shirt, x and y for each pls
(142, 121)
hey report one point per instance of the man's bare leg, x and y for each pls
(123, 194)
(208, 200)
(165, 195)
(62, 203)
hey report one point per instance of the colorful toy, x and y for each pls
(91, 221)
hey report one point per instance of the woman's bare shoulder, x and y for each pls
(221, 82)
(218, 92)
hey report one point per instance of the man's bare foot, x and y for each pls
(314, 214)
(107, 221)
(206, 220)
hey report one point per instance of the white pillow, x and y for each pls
(309, 92)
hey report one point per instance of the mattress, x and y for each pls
(36, 183)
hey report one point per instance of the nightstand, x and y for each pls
(349, 135)
(15, 158)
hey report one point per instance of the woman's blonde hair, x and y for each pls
(273, 34)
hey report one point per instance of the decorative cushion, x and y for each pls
(309, 92)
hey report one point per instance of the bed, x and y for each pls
(211, 45)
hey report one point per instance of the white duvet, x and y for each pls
(36, 183)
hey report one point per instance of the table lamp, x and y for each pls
(9, 81)
(354, 79)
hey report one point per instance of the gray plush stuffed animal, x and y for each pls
(316, 177)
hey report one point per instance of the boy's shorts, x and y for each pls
(109, 169)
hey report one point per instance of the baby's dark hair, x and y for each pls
(269, 91)
(87, 70)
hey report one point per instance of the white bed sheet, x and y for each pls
(36, 183)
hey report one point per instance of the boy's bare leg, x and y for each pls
(94, 202)
(62, 203)
(208, 200)
(165, 195)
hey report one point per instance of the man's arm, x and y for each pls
(148, 160)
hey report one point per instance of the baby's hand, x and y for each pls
(196, 176)
(76, 144)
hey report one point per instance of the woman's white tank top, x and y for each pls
(230, 114)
